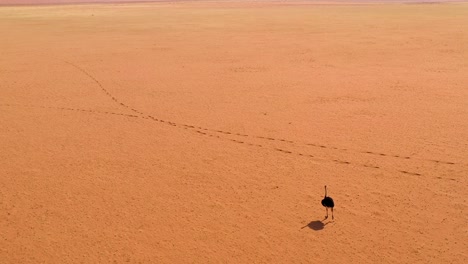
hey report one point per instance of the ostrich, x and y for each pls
(327, 202)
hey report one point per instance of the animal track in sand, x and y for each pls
(71, 109)
(102, 87)
(202, 133)
(411, 173)
(217, 136)
(269, 139)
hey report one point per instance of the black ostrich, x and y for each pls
(327, 202)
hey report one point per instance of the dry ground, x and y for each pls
(205, 132)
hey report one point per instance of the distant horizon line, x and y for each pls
(80, 2)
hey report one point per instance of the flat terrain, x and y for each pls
(281, 2)
(205, 132)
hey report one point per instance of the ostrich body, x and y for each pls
(327, 202)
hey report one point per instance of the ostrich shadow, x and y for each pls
(316, 225)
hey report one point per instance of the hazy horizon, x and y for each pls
(39, 2)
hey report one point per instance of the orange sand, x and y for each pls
(205, 132)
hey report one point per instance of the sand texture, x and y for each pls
(262, 2)
(205, 132)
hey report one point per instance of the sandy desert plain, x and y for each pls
(204, 132)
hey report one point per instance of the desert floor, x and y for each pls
(205, 133)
